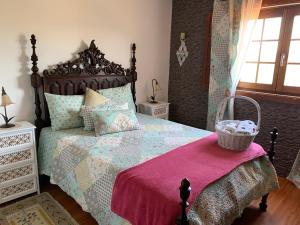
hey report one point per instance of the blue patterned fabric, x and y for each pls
(113, 121)
(119, 95)
(87, 113)
(220, 79)
(85, 167)
(227, 51)
(64, 111)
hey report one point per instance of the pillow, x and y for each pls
(93, 98)
(64, 111)
(107, 122)
(87, 113)
(119, 95)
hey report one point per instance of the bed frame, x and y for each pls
(91, 69)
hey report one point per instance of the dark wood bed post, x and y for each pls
(185, 190)
(271, 153)
(36, 83)
(133, 72)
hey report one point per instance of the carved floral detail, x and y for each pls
(91, 61)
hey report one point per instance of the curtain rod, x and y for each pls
(282, 5)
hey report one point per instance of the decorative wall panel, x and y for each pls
(187, 92)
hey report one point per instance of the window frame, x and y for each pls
(277, 87)
(290, 14)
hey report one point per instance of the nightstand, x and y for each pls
(159, 110)
(18, 162)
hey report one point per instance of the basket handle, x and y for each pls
(222, 107)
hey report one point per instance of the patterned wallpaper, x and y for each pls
(286, 118)
(187, 93)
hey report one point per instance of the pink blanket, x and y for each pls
(148, 194)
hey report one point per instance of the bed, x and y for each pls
(85, 166)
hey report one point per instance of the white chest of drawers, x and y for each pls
(18, 162)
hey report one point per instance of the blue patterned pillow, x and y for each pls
(119, 95)
(107, 122)
(87, 113)
(64, 111)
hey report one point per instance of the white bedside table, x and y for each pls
(18, 162)
(159, 110)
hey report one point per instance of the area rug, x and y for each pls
(37, 210)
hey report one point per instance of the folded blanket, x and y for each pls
(148, 194)
(231, 127)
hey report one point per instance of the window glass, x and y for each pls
(272, 28)
(253, 52)
(294, 52)
(257, 29)
(248, 72)
(268, 51)
(265, 73)
(292, 76)
(296, 28)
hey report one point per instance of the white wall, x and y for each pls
(63, 27)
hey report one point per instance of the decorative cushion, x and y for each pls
(64, 111)
(87, 113)
(93, 98)
(107, 122)
(119, 95)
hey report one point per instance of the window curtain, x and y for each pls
(232, 25)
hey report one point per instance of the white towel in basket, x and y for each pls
(230, 128)
(247, 127)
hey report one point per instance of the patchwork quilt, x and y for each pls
(85, 167)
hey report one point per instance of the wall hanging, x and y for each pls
(182, 53)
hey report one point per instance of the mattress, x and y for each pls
(85, 167)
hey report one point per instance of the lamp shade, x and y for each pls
(157, 87)
(5, 99)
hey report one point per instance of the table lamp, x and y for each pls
(155, 88)
(5, 102)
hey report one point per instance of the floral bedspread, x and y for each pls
(85, 167)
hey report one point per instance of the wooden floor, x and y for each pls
(284, 207)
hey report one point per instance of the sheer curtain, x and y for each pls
(249, 14)
(232, 25)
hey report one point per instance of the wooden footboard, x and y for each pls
(185, 186)
(271, 153)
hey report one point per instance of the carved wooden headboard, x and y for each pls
(89, 69)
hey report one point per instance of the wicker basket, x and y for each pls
(234, 141)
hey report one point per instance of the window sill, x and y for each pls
(270, 97)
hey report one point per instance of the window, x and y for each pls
(272, 63)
